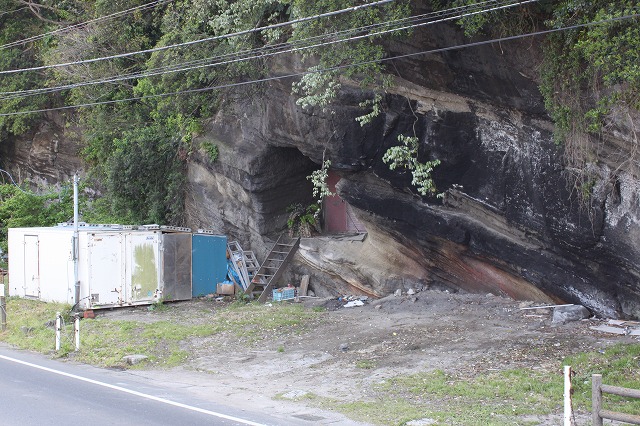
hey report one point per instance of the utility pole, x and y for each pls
(76, 249)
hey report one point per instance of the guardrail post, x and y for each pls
(76, 332)
(3, 307)
(58, 329)
(596, 399)
(568, 412)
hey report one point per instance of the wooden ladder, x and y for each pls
(272, 268)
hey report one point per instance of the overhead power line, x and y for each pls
(82, 24)
(296, 46)
(336, 68)
(190, 43)
(13, 11)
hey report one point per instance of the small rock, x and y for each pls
(26, 330)
(310, 293)
(398, 292)
(344, 347)
(565, 314)
(421, 422)
(363, 298)
(378, 307)
(50, 324)
(411, 291)
(134, 359)
(414, 299)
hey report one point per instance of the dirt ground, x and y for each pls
(398, 335)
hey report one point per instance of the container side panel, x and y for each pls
(104, 266)
(16, 254)
(144, 269)
(31, 266)
(209, 263)
(56, 267)
(176, 266)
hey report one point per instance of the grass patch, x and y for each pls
(366, 364)
(105, 341)
(496, 398)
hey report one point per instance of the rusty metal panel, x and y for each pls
(176, 265)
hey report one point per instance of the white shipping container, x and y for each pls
(115, 267)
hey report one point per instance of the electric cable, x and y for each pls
(201, 63)
(13, 11)
(190, 43)
(12, 181)
(82, 24)
(330, 69)
(189, 65)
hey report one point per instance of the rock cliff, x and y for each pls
(509, 222)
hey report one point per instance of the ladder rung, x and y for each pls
(271, 267)
(274, 260)
(286, 245)
(280, 252)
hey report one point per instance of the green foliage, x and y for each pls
(316, 89)
(20, 208)
(211, 150)
(376, 108)
(318, 179)
(406, 156)
(589, 72)
(138, 184)
(303, 220)
(18, 22)
(321, 89)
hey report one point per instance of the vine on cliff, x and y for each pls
(591, 84)
(589, 78)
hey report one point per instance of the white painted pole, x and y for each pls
(568, 418)
(76, 249)
(58, 330)
(76, 330)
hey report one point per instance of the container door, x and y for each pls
(176, 266)
(31, 266)
(143, 266)
(105, 260)
(209, 263)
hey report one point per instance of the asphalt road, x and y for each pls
(35, 390)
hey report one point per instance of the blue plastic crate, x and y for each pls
(286, 293)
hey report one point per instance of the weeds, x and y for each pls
(495, 398)
(105, 341)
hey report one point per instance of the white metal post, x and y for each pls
(3, 308)
(76, 249)
(58, 329)
(76, 330)
(568, 417)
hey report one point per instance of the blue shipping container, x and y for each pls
(209, 263)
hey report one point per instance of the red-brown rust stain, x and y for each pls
(483, 275)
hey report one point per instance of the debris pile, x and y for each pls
(624, 328)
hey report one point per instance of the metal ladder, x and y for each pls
(272, 268)
(243, 262)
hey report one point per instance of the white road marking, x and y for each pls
(132, 392)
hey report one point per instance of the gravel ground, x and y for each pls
(463, 334)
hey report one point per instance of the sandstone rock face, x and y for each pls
(46, 156)
(509, 222)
